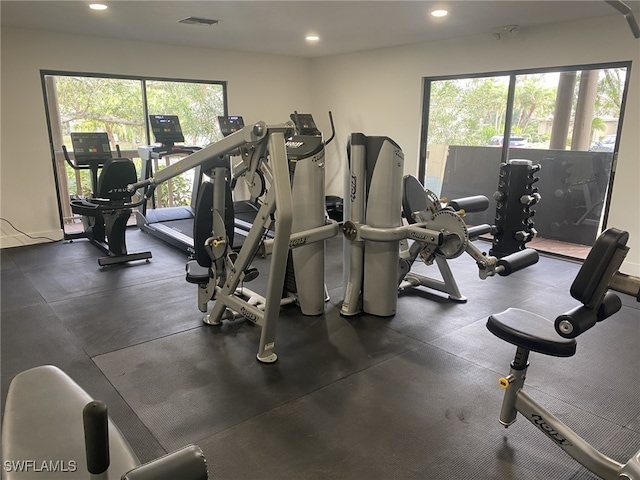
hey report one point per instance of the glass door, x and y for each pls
(567, 120)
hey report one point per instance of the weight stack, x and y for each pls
(306, 166)
(384, 170)
(515, 198)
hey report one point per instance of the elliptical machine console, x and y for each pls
(308, 139)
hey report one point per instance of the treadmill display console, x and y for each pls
(229, 125)
(90, 148)
(166, 128)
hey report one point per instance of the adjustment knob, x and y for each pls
(504, 382)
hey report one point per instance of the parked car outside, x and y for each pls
(607, 144)
(514, 141)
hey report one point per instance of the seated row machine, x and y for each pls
(530, 332)
(53, 430)
(420, 205)
(378, 197)
(106, 212)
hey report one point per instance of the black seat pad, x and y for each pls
(203, 221)
(530, 331)
(413, 197)
(196, 273)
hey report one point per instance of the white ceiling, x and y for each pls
(279, 27)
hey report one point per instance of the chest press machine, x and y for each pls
(377, 256)
(297, 246)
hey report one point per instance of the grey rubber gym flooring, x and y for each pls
(412, 396)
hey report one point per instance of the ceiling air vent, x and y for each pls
(207, 22)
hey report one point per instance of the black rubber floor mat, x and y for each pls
(194, 384)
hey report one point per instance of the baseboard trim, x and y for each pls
(34, 238)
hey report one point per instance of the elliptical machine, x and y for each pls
(106, 212)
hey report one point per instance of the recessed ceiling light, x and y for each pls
(312, 38)
(98, 6)
(439, 13)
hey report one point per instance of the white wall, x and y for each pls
(380, 93)
(260, 87)
(375, 92)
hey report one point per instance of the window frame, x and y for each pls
(56, 155)
(513, 74)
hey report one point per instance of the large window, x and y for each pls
(567, 120)
(120, 107)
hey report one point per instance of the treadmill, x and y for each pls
(173, 225)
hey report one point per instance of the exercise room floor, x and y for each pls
(414, 396)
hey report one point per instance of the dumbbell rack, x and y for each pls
(515, 198)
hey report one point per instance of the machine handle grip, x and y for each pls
(575, 322)
(147, 182)
(333, 130)
(96, 436)
(476, 231)
(623, 283)
(582, 318)
(296, 121)
(610, 305)
(67, 159)
(476, 203)
(71, 164)
(89, 207)
(516, 261)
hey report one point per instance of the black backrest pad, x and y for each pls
(116, 174)
(203, 221)
(594, 275)
(413, 197)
